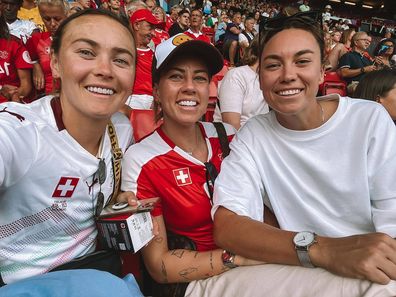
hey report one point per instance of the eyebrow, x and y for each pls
(298, 54)
(118, 50)
(182, 70)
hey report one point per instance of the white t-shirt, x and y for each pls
(48, 191)
(335, 180)
(239, 91)
(22, 29)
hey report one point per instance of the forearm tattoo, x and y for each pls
(211, 261)
(177, 253)
(186, 272)
(164, 273)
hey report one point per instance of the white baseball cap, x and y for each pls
(328, 6)
(182, 44)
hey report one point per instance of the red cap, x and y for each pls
(144, 15)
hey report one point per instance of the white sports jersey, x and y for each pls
(22, 29)
(336, 180)
(47, 188)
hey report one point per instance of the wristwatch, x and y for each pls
(362, 70)
(228, 259)
(302, 242)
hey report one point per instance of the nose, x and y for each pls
(104, 67)
(288, 73)
(188, 86)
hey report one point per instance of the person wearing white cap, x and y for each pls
(178, 163)
(326, 16)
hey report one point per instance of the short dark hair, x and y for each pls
(57, 38)
(295, 23)
(375, 83)
(183, 11)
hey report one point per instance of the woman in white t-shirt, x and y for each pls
(240, 97)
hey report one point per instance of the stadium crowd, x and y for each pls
(272, 165)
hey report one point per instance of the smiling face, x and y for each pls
(96, 73)
(52, 15)
(183, 91)
(290, 72)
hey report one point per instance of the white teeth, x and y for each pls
(100, 90)
(289, 92)
(187, 103)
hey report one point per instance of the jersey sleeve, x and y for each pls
(238, 186)
(136, 178)
(18, 142)
(22, 58)
(345, 61)
(31, 46)
(382, 171)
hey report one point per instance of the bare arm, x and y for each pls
(232, 118)
(169, 266)
(369, 256)
(347, 72)
(38, 76)
(25, 78)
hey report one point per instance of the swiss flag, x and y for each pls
(182, 176)
(65, 187)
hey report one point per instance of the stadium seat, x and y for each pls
(143, 122)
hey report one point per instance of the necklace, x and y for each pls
(322, 112)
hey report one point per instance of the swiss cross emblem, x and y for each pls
(182, 176)
(65, 187)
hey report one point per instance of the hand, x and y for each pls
(368, 256)
(9, 92)
(38, 78)
(370, 68)
(129, 197)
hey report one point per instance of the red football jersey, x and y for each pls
(159, 36)
(199, 36)
(169, 22)
(156, 167)
(13, 56)
(143, 83)
(39, 47)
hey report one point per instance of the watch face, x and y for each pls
(303, 238)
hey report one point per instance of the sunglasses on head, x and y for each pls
(311, 18)
(101, 176)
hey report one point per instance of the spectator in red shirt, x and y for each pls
(52, 12)
(143, 24)
(160, 35)
(196, 25)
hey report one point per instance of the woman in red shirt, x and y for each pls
(15, 65)
(53, 12)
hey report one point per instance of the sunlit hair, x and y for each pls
(358, 35)
(376, 83)
(57, 38)
(61, 3)
(346, 35)
(159, 8)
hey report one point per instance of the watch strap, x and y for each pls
(228, 259)
(304, 259)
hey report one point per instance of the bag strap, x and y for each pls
(222, 134)
(116, 161)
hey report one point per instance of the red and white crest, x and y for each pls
(65, 187)
(182, 176)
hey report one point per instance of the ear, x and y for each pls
(135, 26)
(378, 99)
(54, 63)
